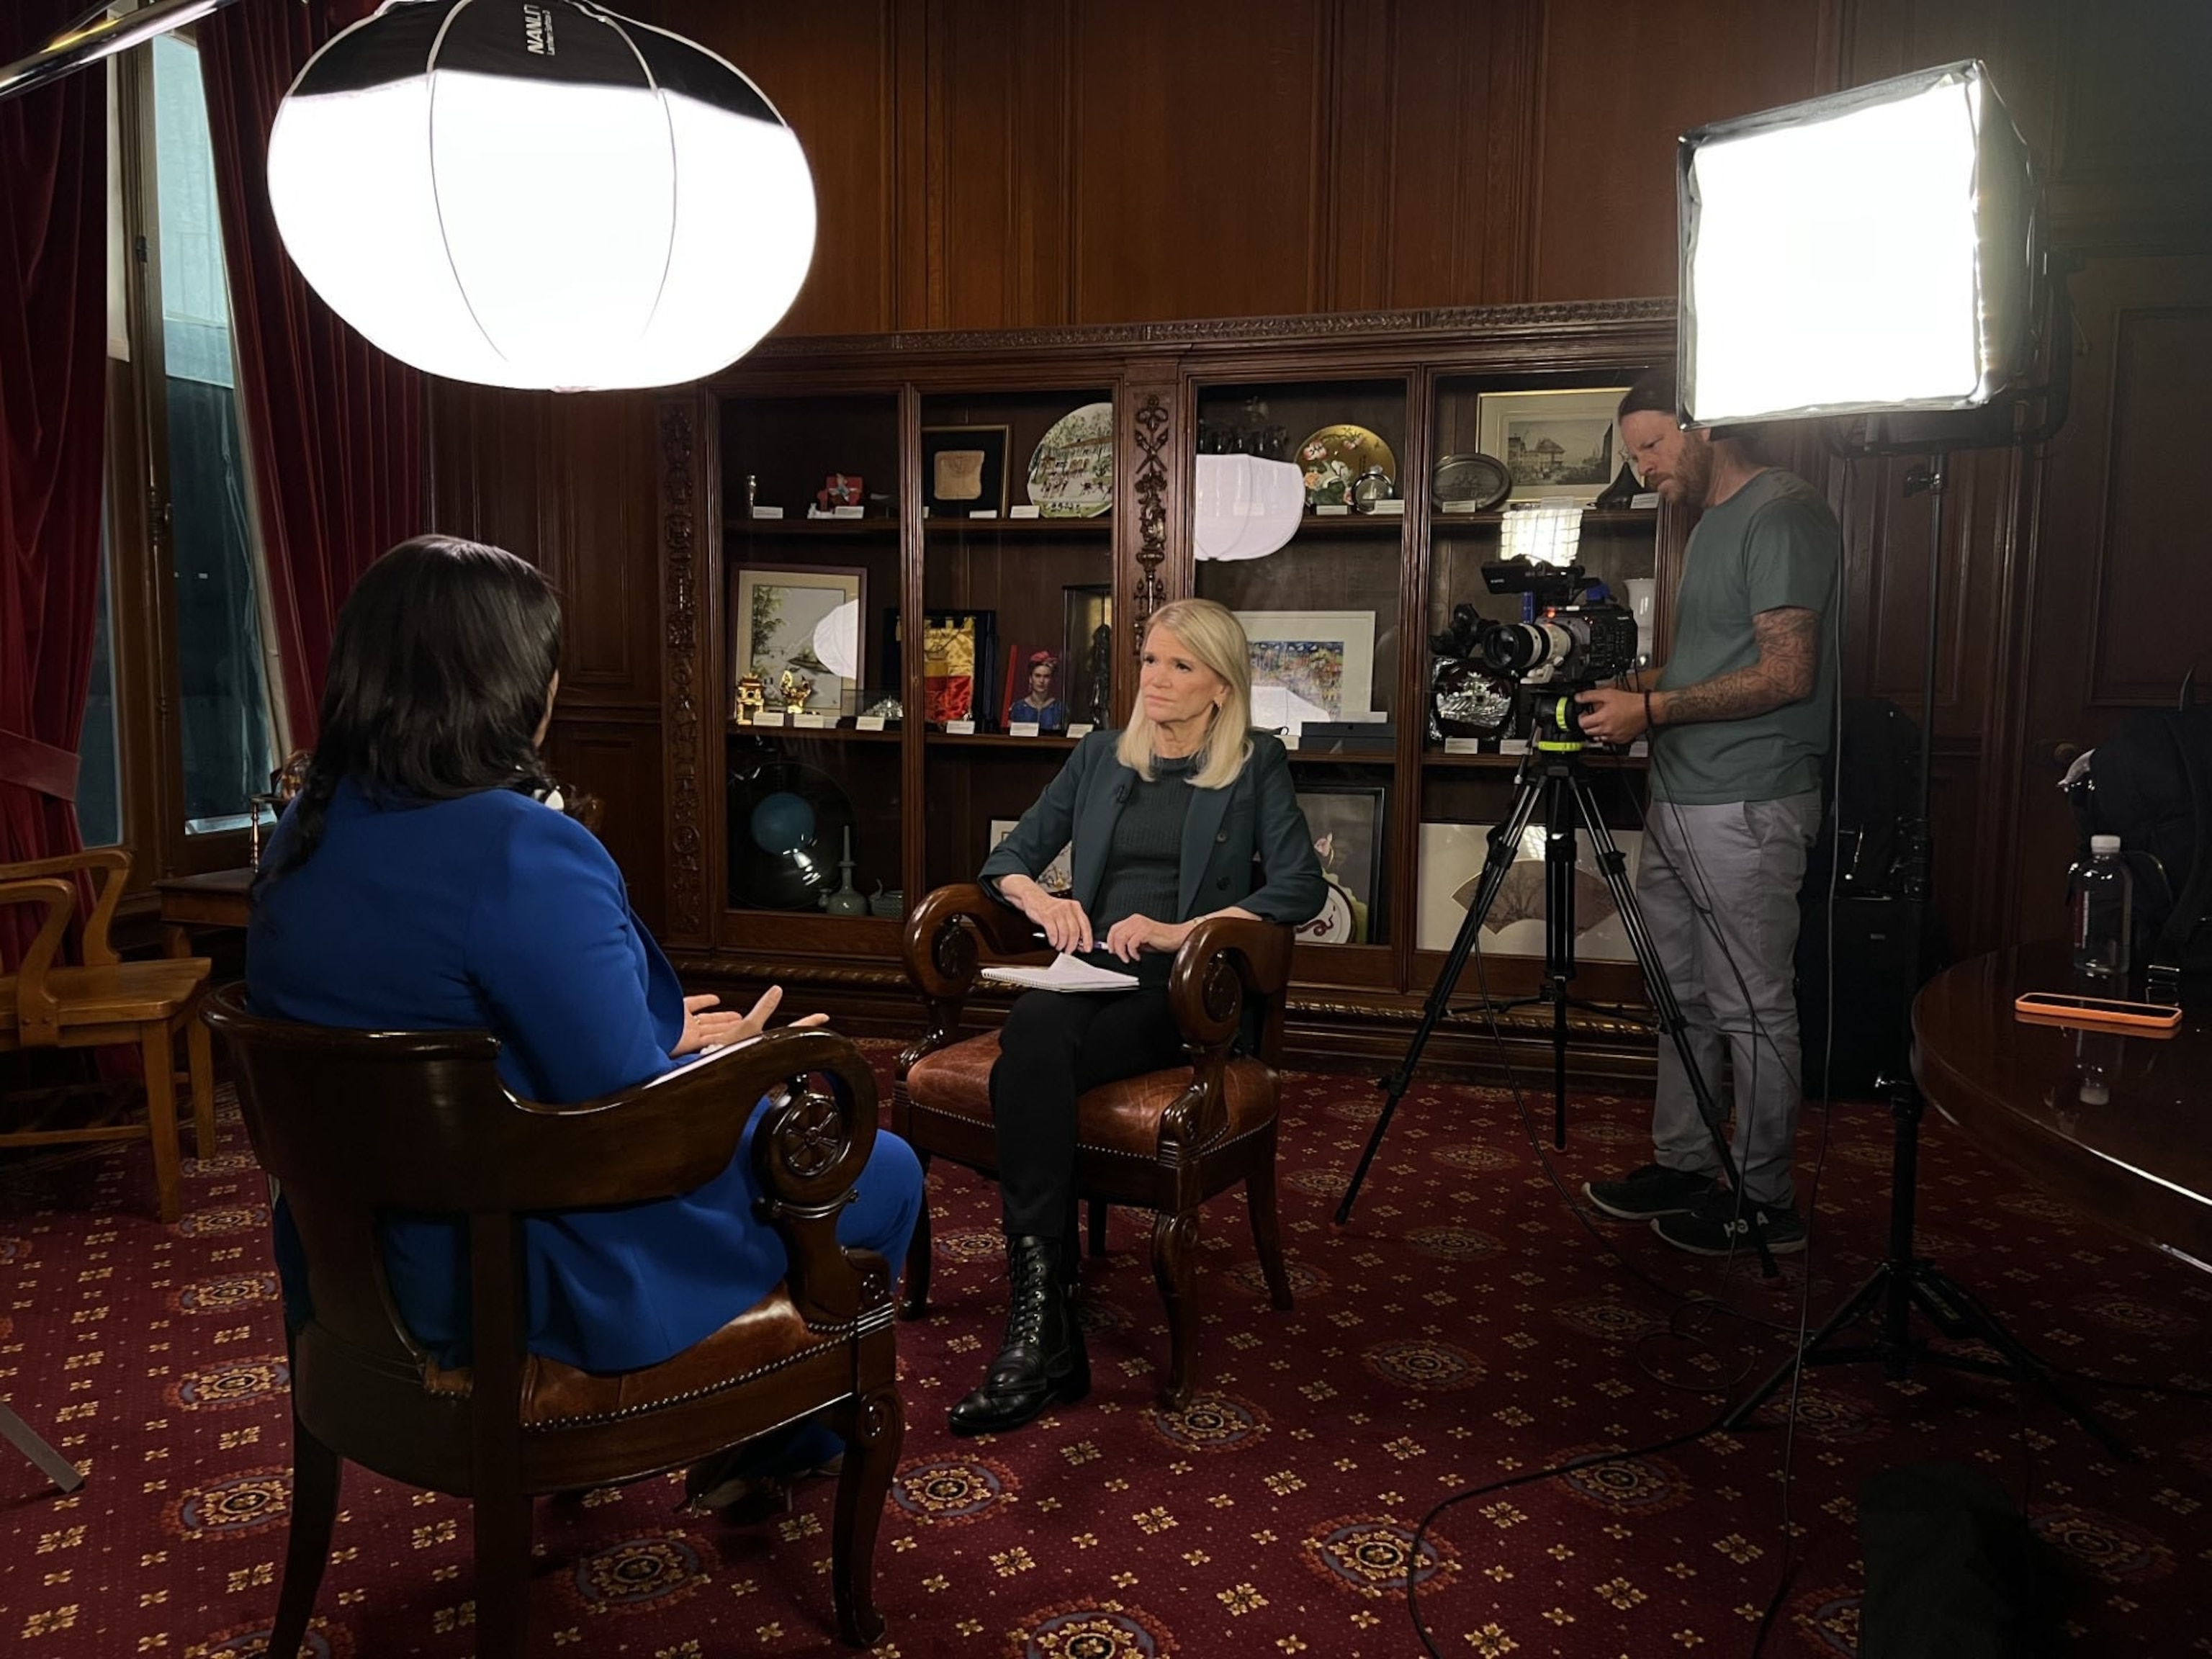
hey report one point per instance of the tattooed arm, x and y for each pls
(1788, 640)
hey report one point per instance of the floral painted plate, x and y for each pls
(1333, 458)
(1071, 474)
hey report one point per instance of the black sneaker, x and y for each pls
(1717, 1227)
(1654, 1190)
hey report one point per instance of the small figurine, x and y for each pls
(839, 489)
(751, 700)
(795, 689)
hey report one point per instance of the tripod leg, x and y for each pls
(1504, 840)
(1662, 994)
(1877, 1284)
(1559, 936)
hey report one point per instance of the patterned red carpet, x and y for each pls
(1467, 1328)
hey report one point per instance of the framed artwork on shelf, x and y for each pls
(958, 650)
(1346, 821)
(803, 622)
(1451, 868)
(1056, 878)
(1088, 633)
(1557, 445)
(1034, 688)
(1311, 666)
(964, 471)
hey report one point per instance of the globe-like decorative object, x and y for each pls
(783, 823)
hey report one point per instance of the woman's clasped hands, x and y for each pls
(707, 1026)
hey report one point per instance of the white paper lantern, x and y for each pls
(539, 193)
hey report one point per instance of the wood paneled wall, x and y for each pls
(1028, 163)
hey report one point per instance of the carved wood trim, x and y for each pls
(687, 888)
(1384, 329)
(1152, 423)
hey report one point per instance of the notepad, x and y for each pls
(1066, 973)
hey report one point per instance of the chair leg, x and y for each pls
(1266, 1230)
(913, 1299)
(1173, 1267)
(199, 1059)
(502, 1549)
(1098, 1208)
(162, 1119)
(316, 1474)
(874, 1428)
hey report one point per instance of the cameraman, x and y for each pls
(1739, 718)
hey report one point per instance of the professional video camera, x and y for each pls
(1572, 643)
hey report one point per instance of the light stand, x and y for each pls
(1553, 772)
(1905, 1279)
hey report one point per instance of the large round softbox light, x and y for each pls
(540, 193)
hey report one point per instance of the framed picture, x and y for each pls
(1056, 878)
(1346, 821)
(958, 654)
(1559, 445)
(964, 471)
(804, 620)
(1451, 868)
(1087, 634)
(1035, 687)
(1311, 666)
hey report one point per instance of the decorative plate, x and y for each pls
(1339, 920)
(1333, 458)
(1071, 474)
(1471, 483)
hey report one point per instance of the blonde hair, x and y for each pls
(1213, 635)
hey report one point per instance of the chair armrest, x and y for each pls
(942, 959)
(114, 866)
(1221, 961)
(38, 1012)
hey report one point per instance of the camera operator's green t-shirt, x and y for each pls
(1774, 543)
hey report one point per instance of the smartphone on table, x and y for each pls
(2107, 1014)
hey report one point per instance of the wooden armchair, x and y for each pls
(353, 1122)
(106, 1001)
(1165, 1141)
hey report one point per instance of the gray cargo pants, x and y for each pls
(1718, 887)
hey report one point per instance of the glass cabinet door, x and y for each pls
(1308, 549)
(1016, 635)
(812, 564)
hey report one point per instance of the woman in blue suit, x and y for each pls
(1186, 814)
(418, 882)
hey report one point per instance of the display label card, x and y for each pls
(1290, 738)
(768, 513)
(1639, 747)
(1513, 745)
(1332, 510)
(868, 723)
(1459, 507)
(961, 728)
(855, 511)
(1463, 745)
(1644, 498)
(1021, 728)
(985, 513)
(814, 722)
(1387, 510)
(1081, 729)
(1028, 510)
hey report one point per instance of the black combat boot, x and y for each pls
(1044, 1362)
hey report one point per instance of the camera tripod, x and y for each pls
(1554, 775)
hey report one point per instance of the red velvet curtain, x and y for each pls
(53, 404)
(334, 427)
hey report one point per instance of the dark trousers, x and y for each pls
(1054, 1046)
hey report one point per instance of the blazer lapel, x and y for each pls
(1202, 824)
(1094, 817)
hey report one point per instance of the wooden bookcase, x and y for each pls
(920, 801)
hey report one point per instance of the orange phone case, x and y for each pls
(2110, 1013)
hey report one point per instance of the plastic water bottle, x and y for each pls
(2104, 914)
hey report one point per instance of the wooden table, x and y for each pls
(217, 899)
(2139, 1159)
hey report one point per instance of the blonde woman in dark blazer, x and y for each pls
(1186, 814)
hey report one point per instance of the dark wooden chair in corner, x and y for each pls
(1165, 1141)
(352, 1122)
(105, 1002)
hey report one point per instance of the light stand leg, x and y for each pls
(51, 1464)
(1905, 1280)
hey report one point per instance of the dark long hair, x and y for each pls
(444, 652)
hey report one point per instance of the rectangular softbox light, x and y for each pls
(1871, 250)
